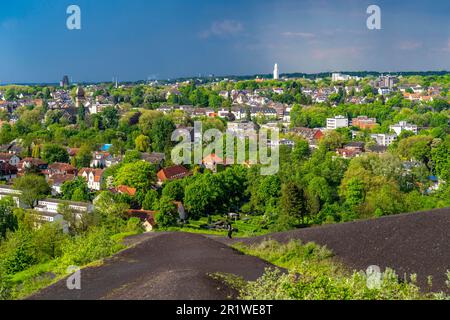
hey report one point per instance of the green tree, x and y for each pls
(110, 118)
(174, 190)
(140, 175)
(301, 150)
(161, 134)
(8, 221)
(417, 148)
(142, 143)
(202, 196)
(75, 190)
(150, 200)
(33, 188)
(52, 153)
(167, 215)
(83, 157)
(292, 202)
(441, 160)
(36, 153)
(354, 194)
(147, 119)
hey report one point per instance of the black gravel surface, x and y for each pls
(174, 266)
(162, 266)
(415, 243)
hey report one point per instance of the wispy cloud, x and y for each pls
(307, 35)
(222, 28)
(409, 45)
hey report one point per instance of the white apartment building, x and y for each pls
(403, 125)
(383, 139)
(337, 122)
(52, 205)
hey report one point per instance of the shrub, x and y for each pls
(89, 247)
(313, 275)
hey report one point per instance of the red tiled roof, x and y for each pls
(126, 190)
(59, 166)
(33, 161)
(7, 169)
(58, 179)
(6, 156)
(170, 173)
(144, 215)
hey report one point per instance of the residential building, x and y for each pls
(125, 190)
(337, 122)
(100, 159)
(384, 139)
(154, 158)
(57, 180)
(212, 161)
(313, 136)
(363, 122)
(403, 125)
(94, 177)
(147, 217)
(60, 168)
(384, 91)
(241, 128)
(348, 153)
(52, 205)
(355, 146)
(7, 171)
(336, 76)
(387, 81)
(30, 164)
(9, 191)
(172, 173)
(10, 158)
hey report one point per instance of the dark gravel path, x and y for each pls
(168, 266)
(408, 243)
(175, 265)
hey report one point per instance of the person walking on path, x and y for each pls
(230, 230)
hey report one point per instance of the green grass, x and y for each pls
(313, 274)
(37, 277)
(247, 226)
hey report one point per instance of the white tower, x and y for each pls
(276, 74)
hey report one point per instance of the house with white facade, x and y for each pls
(384, 139)
(94, 177)
(337, 122)
(403, 125)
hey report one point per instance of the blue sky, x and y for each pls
(137, 39)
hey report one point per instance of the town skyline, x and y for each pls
(178, 39)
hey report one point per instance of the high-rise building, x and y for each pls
(65, 82)
(276, 73)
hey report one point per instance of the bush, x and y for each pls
(17, 252)
(313, 275)
(89, 247)
(5, 285)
